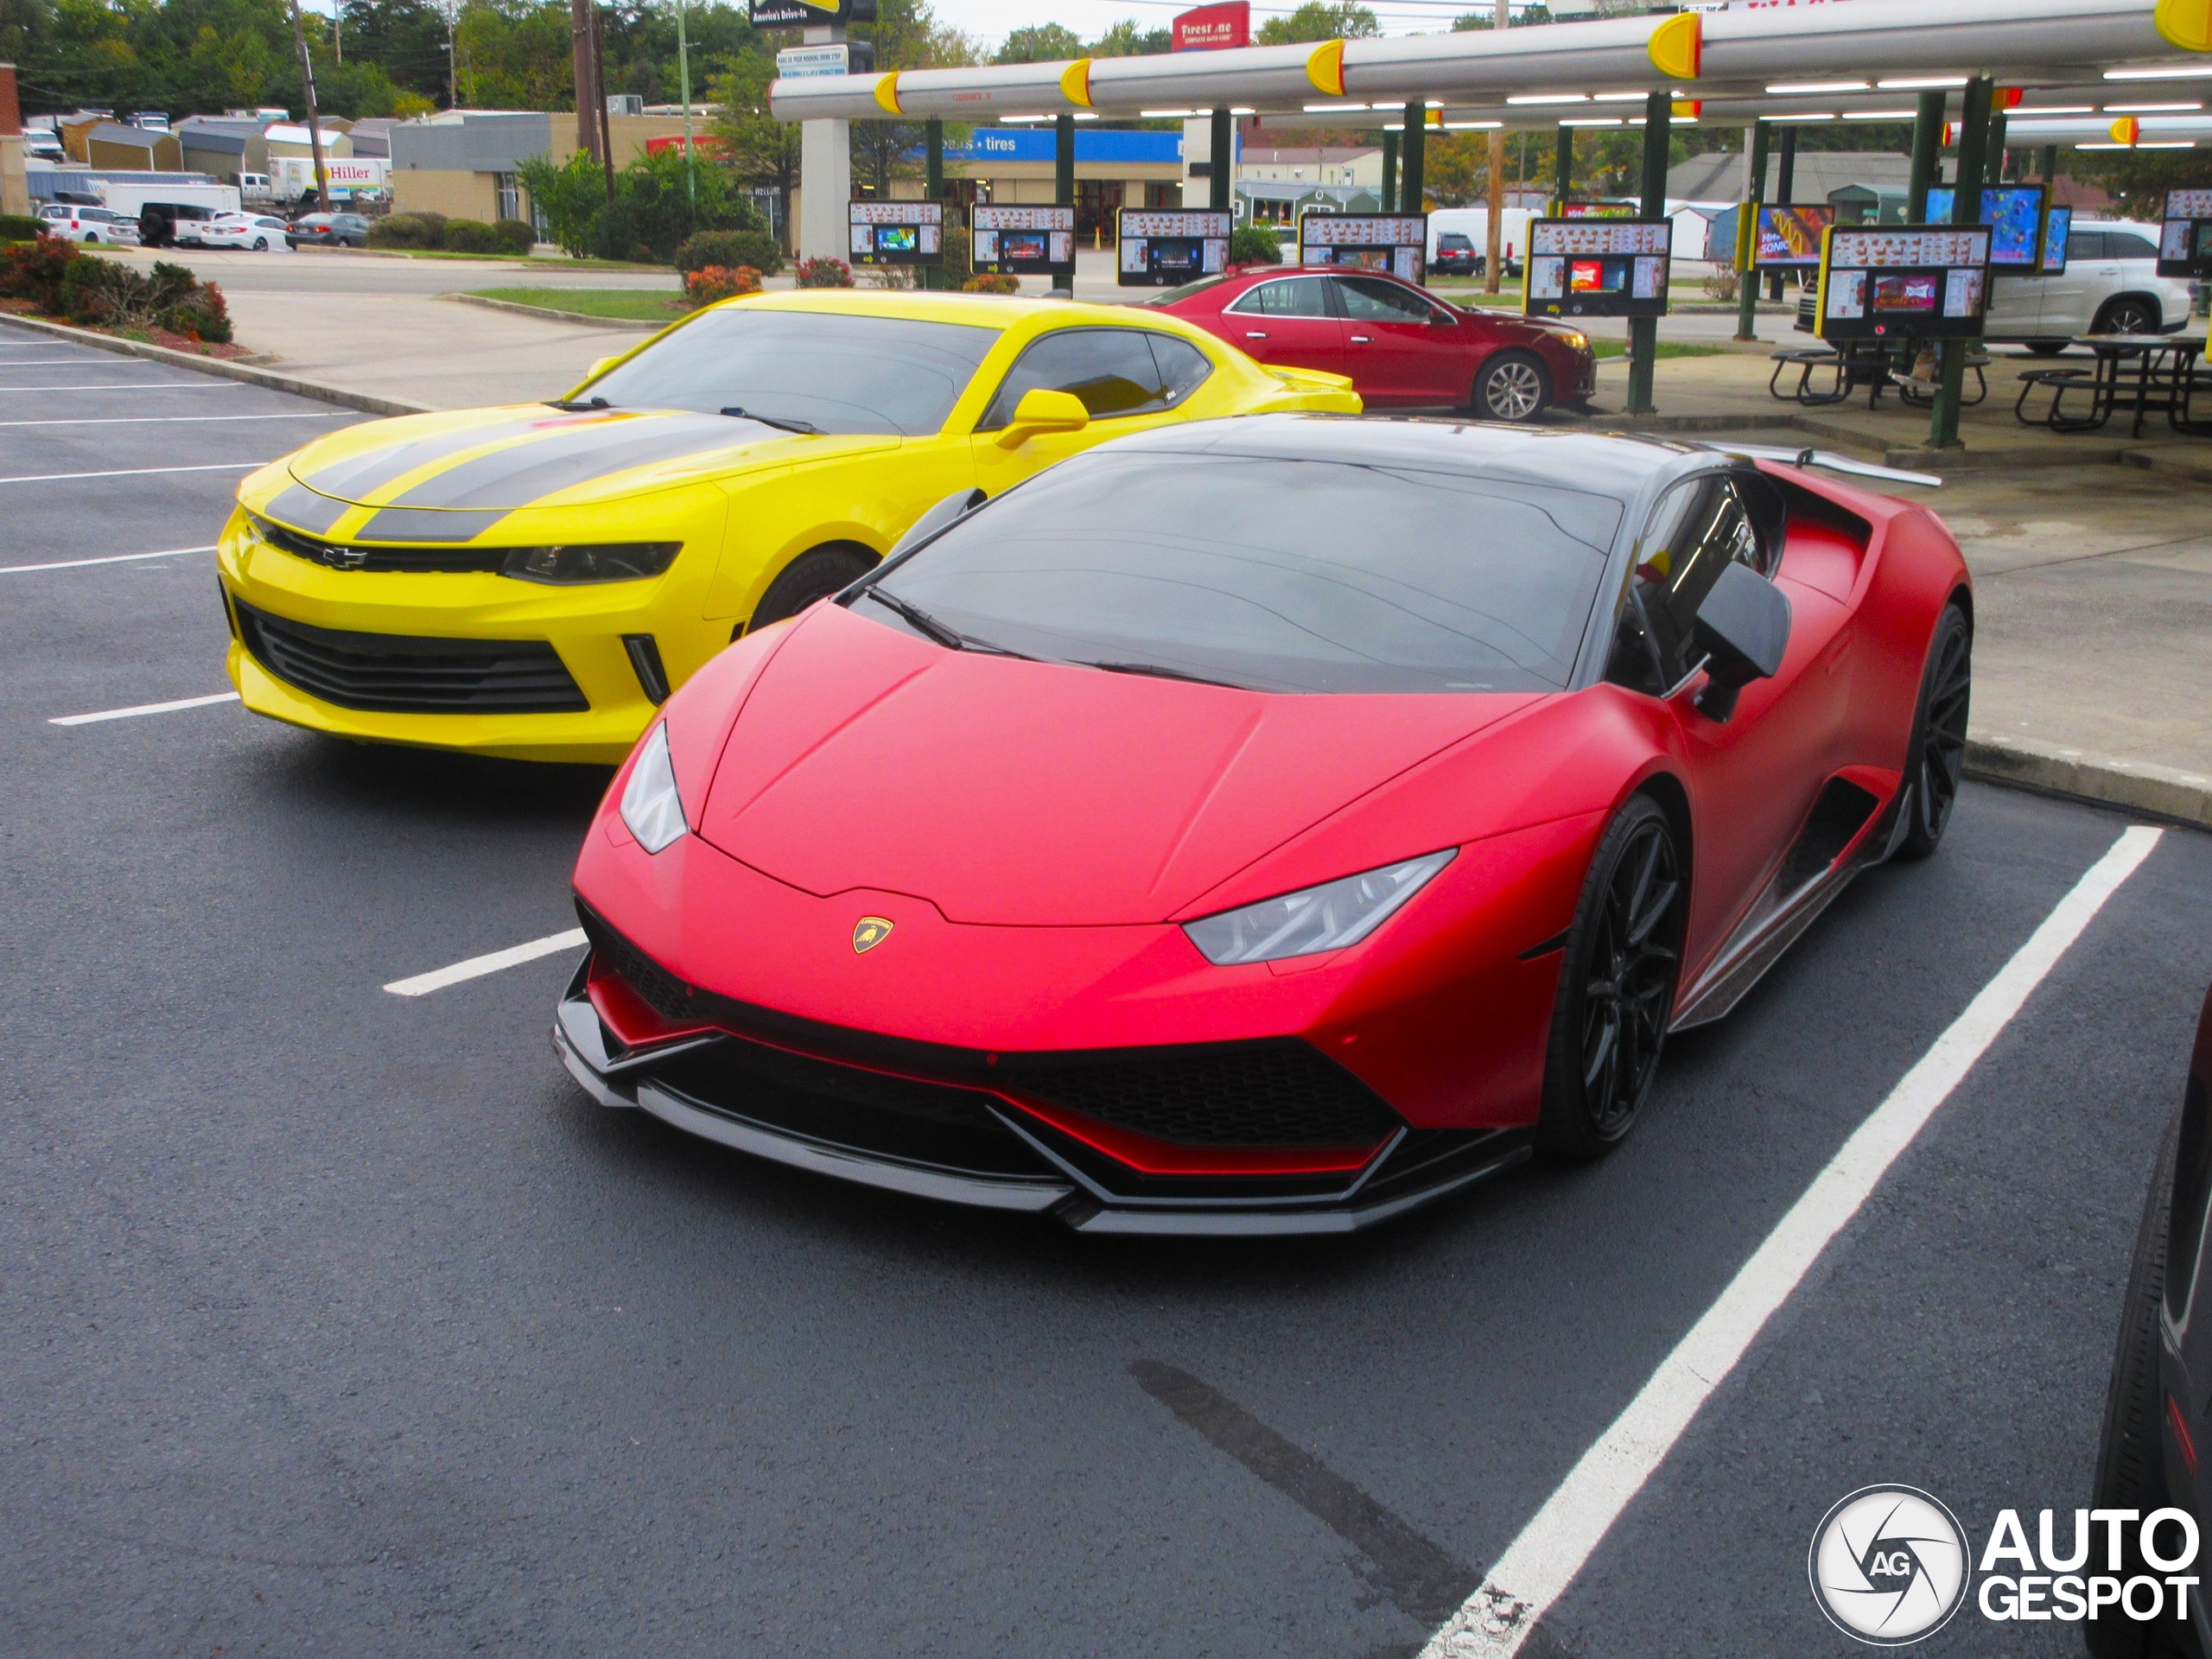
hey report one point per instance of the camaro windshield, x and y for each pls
(1274, 575)
(836, 373)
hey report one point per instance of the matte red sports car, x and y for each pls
(1402, 346)
(1266, 824)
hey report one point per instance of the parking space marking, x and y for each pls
(136, 386)
(137, 709)
(105, 558)
(1540, 1564)
(173, 420)
(476, 967)
(136, 472)
(99, 361)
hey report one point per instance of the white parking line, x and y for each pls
(476, 967)
(134, 385)
(90, 361)
(1537, 1567)
(105, 558)
(143, 708)
(136, 472)
(172, 420)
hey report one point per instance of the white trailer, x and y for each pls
(351, 178)
(131, 199)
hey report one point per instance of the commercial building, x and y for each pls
(15, 189)
(464, 163)
(1113, 168)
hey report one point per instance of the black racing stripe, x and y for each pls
(517, 476)
(419, 525)
(363, 475)
(303, 509)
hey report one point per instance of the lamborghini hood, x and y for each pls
(1018, 793)
(529, 455)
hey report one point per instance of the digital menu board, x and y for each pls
(2185, 239)
(2057, 232)
(1397, 242)
(1600, 210)
(1598, 268)
(1022, 241)
(1786, 237)
(1926, 282)
(2014, 214)
(897, 233)
(1164, 248)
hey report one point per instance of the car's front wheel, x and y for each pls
(1615, 986)
(2130, 313)
(261, 245)
(1511, 387)
(810, 577)
(1936, 758)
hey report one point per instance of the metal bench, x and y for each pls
(2092, 383)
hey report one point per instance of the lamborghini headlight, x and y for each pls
(651, 806)
(1326, 918)
(607, 562)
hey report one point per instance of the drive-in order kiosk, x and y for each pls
(1165, 248)
(2016, 215)
(1919, 282)
(1397, 242)
(2185, 239)
(898, 232)
(1598, 267)
(1022, 241)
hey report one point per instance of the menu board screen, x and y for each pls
(896, 233)
(1397, 242)
(1598, 267)
(1923, 282)
(2185, 239)
(1022, 241)
(1164, 248)
(1789, 238)
(2014, 213)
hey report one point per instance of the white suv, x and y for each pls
(89, 224)
(2111, 285)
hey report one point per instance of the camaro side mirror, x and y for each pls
(958, 505)
(1042, 411)
(1743, 627)
(592, 372)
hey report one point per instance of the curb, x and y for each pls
(2166, 793)
(233, 369)
(545, 314)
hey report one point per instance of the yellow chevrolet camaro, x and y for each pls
(533, 580)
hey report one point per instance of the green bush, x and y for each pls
(959, 255)
(471, 235)
(17, 228)
(823, 272)
(519, 236)
(730, 249)
(656, 207)
(97, 291)
(1255, 244)
(34, 270)
(401, 231)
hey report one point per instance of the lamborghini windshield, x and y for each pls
(831, 373)
(1277, 574)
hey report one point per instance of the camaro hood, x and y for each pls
(532, 454)
(1020, 793)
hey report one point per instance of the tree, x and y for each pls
(1319, 19)
(1040, 43)
(762, 149)
(1456, 173)
(907, 35)
(1126, 40)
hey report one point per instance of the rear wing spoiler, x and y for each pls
(1826, 459)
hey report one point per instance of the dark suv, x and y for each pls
(1455, 256)
(171, 225)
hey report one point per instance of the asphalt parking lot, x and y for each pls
(341, 1321)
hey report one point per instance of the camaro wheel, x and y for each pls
(1511, 388)
(807, 578)
(1936, 759)
(1616, 986)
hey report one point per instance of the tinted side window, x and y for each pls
(1183, 367)
(1697, 528)
(1111, 370)
(2126, 244)
(1368, 299)
(1294, 297)
(2085, 244)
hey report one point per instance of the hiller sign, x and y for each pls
(1213, 27)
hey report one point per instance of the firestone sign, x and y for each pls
(1210, 27)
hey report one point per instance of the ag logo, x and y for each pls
(1888, 1564)
(868, 932)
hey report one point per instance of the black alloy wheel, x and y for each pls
(2129, 314)
(1616, 986)
(809, 577)
(1510, 387)
(1935, 760)
(261, 245)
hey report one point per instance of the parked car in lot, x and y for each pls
(258, 231)
(330, 231)
(1403, 348)
(173, 223)
(2157, 1413)
(2111, 285)
(99, 226)
(1455, 256)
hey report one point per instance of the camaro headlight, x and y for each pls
(1313, 919)
(607, 562)
(651, 806)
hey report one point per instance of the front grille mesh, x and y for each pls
(398, 674)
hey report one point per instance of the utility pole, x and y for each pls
(599, 99)
(684, 80)
(1494, 261)
(338, 29)
(580, 44)
(314, 131)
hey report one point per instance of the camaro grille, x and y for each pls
(341, 555)
(397, 674)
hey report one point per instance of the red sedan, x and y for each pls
(1402, 348)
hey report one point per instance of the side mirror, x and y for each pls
(596, 369)
(1743, 627)
(1041, 411)
(958, 505)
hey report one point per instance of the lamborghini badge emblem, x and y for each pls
(868, 932)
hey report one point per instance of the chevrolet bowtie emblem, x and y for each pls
(868, 932)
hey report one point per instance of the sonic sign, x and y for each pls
(809, 14)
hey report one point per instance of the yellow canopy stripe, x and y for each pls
(1677, 46)
(887, 92)
(1324, 67)
(1075, 83)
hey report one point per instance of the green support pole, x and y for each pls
(2051, 164)
(1064, 160)
(1785, 186)
(933, 187)
(1221, 169)
(1563, 177)
(1644, 332)
(1747, 290)
(1389, 172)
(1412, 181)
(1966, 209)
(1927, 148)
